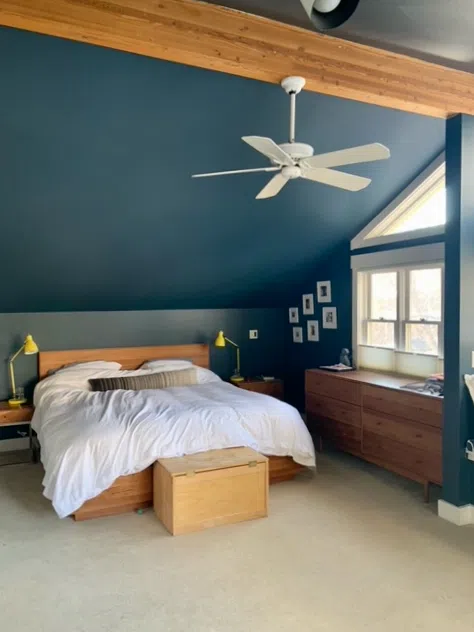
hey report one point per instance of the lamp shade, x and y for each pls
(220, 340)
(30, 346)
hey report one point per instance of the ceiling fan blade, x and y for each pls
(351, 156)
(228, 173)
(270, 149)
(336, 179)
(275, 185)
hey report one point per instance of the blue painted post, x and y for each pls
(458, 472)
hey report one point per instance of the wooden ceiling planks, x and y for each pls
(220, 39)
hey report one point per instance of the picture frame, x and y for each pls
(294, 315)
(313, 330)
(323, 291)
(308, 304)
(329, 318)
(297, 334)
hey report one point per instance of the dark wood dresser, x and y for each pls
(369, 415)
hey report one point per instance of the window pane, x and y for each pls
(425, 294)
(422, 338)
(383, 294)
(380, 334)
(429, 211)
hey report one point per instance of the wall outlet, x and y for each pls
(253, 334)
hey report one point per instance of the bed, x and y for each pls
(134, 490)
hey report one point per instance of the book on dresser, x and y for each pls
(368, 414)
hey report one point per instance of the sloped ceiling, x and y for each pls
(98, 210)
(434, 30)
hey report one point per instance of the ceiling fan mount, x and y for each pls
(297, 160)
(293, 85)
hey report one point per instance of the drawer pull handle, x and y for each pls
(419, 436)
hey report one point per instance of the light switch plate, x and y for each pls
(472, 359)
(253, 334)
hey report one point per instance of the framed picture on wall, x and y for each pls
(313, 331)
(297, 334)
(308, 304)
(323, 291)
(329, 318)
(294, 315)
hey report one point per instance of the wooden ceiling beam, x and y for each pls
(220, 39)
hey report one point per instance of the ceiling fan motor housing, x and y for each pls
(297, 151)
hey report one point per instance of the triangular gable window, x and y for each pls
(419, 211)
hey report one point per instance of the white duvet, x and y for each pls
(88, 439)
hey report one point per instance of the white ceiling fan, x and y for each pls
(296, 160)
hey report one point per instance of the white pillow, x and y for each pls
(205, 375)
(95, 365)
(166, 365)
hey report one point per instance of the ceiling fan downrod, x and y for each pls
(293, 86)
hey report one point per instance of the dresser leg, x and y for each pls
(426, 491)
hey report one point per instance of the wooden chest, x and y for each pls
(211, 488)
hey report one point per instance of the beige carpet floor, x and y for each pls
(353, 548)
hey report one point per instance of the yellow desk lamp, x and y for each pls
(220, 341)
(29, 347)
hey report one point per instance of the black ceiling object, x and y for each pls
(329, 14)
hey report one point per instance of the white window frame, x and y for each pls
(402, 307)
(428, 179)
(417, 257)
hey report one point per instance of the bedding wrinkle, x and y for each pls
(89, 439)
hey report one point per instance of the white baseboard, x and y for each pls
(10, 445)
(459, 516)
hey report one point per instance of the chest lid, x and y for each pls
(211, 460)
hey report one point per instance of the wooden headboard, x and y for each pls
(129, 357)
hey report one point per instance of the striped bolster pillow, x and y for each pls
(166, 379)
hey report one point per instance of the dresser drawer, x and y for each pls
(422, 464)
(421, 408)
(317, 406)
(410, 432)
(340, 435)
(333, 386)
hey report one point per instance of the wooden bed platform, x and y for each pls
(133, 492)
(129, 493)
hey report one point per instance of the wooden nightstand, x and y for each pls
(275, 388)
(18, 417)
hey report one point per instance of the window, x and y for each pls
(427, 211)
(419, 211)
(400, 313)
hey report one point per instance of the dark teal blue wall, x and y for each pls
(458, 472)
(96, 152)
(307, 355)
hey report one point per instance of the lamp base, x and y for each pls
(237, 378)
(16, 402)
